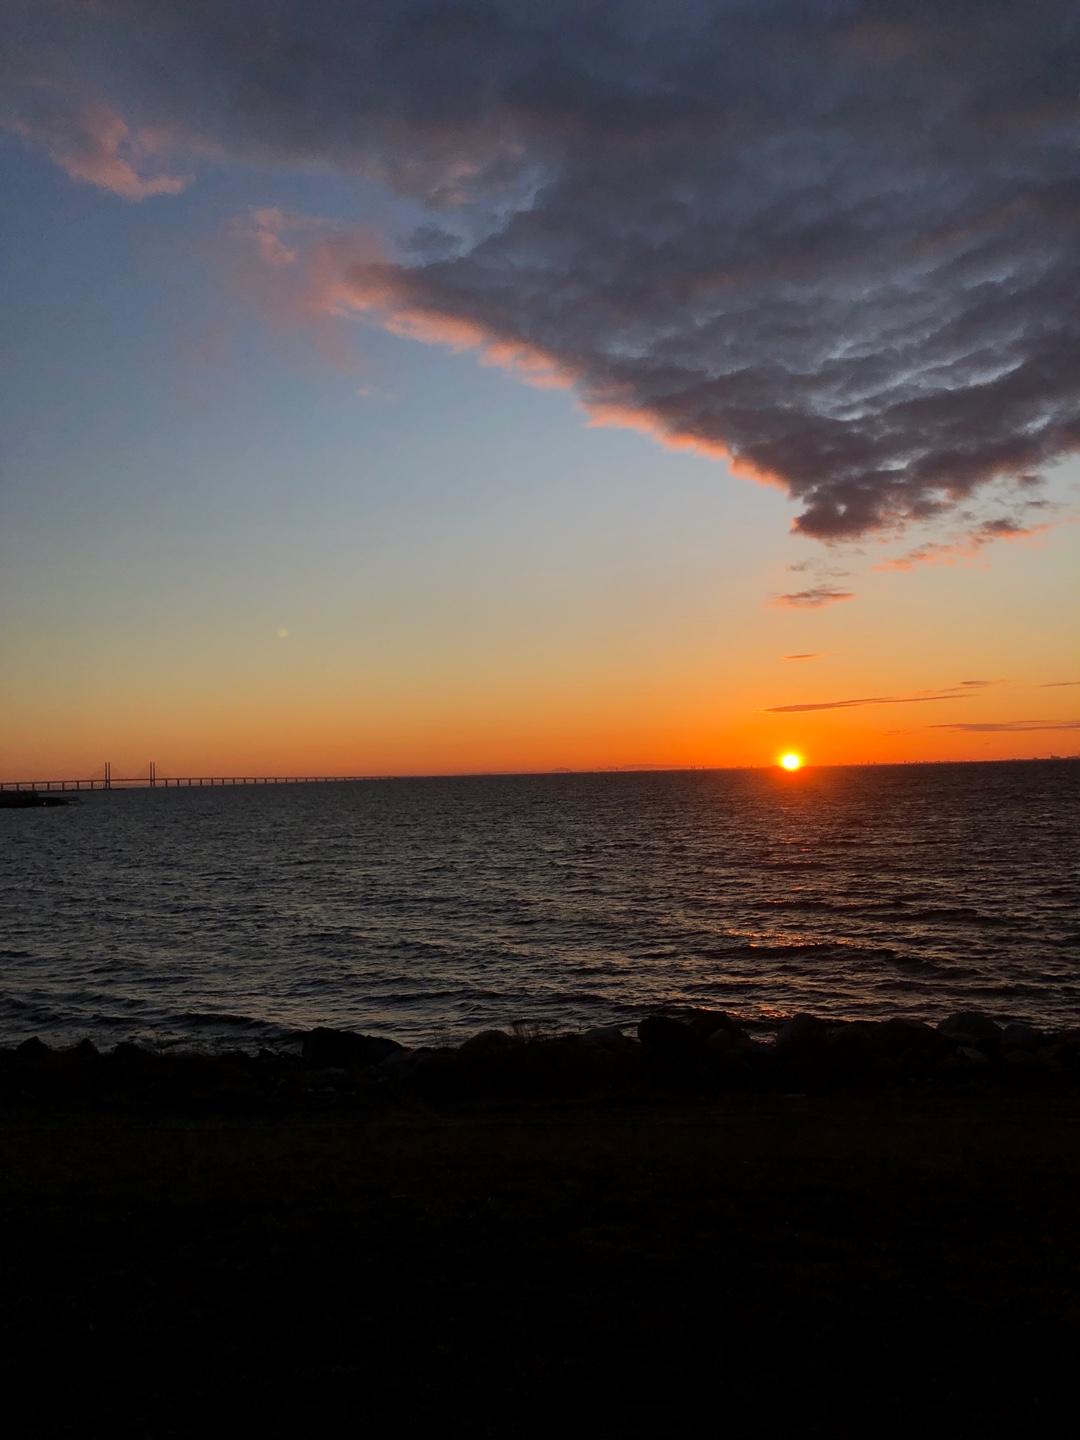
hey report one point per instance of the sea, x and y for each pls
(429, 909)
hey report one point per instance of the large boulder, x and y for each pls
(325, 1049)
(84, 1053)
(672, 1050)
(127, 1053)
(803, 1036)
(1022, 1037)
(665, 1038)
(734, 1058)
(608, 1038)
(973, 1029)
(486, 1044)
(706, 1023)
(33, 1049)
(902, 1045)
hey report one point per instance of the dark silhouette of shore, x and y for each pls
(853, 1230)
(681, 1052)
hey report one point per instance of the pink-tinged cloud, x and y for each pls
(809, 655)
(622, 414)
(94, 145)
(340, 282)
(813, 599)
(868, 700)
(289, 266)
(1007, 727)
(969, 547)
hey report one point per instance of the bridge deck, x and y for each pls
(172, 782)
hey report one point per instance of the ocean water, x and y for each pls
(429, 909)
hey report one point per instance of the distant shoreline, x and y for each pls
(808, 767)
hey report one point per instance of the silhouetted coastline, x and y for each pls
(687, 1052)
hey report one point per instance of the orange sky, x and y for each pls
(474, 669)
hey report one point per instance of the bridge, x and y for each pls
(153, 781)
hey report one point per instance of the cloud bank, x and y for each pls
(835, 241)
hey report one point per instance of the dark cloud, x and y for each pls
(812, 599)
(1009, 727)
(923, 699)
(1059, 684)
(835, 240)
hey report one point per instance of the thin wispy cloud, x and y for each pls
(815, 598)
(1059, 684)
(1007, 727)
(809, 655)
(968, 547)
(922, 699)
(836, 245)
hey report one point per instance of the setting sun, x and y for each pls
(791, 760)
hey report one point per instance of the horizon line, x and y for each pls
(229, 782)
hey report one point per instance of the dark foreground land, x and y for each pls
(187, 1252)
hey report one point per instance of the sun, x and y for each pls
(791, 760)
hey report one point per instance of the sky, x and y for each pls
(426, 387)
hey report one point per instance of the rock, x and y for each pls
(128, 1053)
(1024, 1062)
(400, 1060)
(328, 1077)
(435, 1072)
(485, 1045)
(607, 1037)
(672, 1050)
(908, 1037)
(1022, 1037)
(729, 1039)
(737, 1059)
(325, 1049)
(803, 1034)
(705, 1023)
(905, 1045)
(33, 1049)
(971, 1024)
(666, 1038)
(971, 1055)
(85, 1052)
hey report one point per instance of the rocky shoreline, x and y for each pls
(688, 1052)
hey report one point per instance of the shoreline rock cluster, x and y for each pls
(688, 1052)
